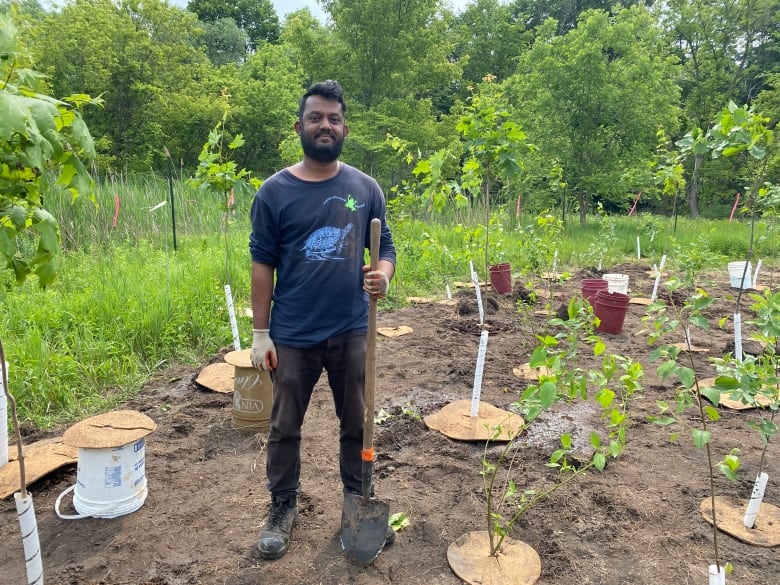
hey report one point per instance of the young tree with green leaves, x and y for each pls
(491, 153)
(40, 137)
(723, 48)
(257, 18)
(264, 96)
(225, 42)
(157, 87)
(490, 37)
(390, 50)
(593, 99)
(42, 143)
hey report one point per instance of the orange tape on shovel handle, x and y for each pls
(367, 454)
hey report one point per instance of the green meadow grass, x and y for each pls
(113, 318)
(128, 304)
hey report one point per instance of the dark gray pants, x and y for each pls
(344, 359)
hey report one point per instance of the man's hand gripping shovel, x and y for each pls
(364, 519)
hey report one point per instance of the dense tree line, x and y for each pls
(599, 90)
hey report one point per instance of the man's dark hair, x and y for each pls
(329, 89)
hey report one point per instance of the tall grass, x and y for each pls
(128, 304)
(112, 319)
(431, 254)
(137, 208)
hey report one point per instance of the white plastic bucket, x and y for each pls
(736, 270)
(616, 283)
(3, 421)
(109, 482)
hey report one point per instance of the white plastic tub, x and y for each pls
(736, 270)
(617, 283)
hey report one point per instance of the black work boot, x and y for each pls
(275, 538)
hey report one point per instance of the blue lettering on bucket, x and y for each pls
(112, 476)
(138, 446)
(139, 464)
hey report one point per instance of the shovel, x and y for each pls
(363, 518)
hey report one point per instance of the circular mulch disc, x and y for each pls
(112, 429)
(517, 563)
(455, 421)
(394, 331)
(218, 377)
(694, 348)
(727, 402)
(546, 312)
(40, 459)
(730, 512)
(761, 401)
(468, 284)
(526, 372)
(241, 358)
(640, 301)
(419, 300)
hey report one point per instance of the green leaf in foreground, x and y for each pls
(729, 466)
(399, 521)
(700, 437)
(711, 394)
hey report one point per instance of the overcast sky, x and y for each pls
(284, 7)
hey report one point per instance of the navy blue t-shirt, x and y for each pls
(314, 234)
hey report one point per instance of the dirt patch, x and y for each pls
(637, 522)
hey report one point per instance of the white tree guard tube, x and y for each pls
(749, 519)
(232, 314)
(655, 286)
(448, 292)
(755, 274)
(475, 280)
(477, 390)
(638, 249)
(3, 417)
(738, 337)
(658, 278)
(717, 575)
(32, 546)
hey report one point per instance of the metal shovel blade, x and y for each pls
(363, 528)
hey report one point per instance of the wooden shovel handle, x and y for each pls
(368, 421)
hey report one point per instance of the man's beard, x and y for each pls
(324, 153)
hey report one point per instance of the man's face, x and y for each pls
(322, 129)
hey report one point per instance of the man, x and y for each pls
(310, 229)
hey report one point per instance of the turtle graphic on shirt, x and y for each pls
(326, 243)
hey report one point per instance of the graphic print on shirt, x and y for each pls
(350, 202)
(327, 243)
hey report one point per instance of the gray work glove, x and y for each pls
(263, 354)
(375, 282)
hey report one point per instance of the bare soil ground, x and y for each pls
(637, 522)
